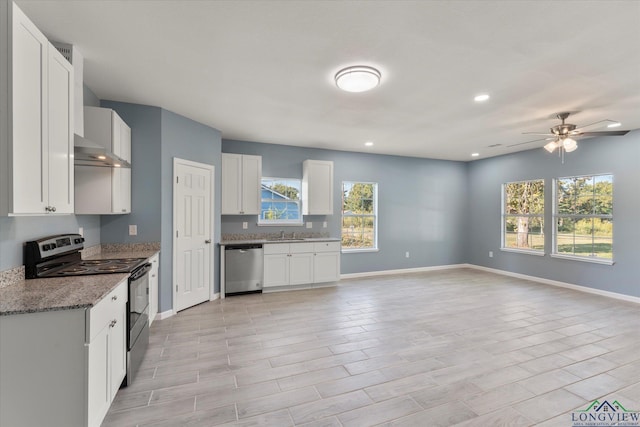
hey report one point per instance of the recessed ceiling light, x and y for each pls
(481, 98)
(359, 78)
(475, 154)
(614, 125)
(369, 144)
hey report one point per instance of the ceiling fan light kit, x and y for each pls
(358, 78)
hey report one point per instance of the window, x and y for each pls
(280, 201)
(523, 216)
(583, 215)
(359, 216)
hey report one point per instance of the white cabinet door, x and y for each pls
(276, 270)
(37, 136)
(30, 153)
(153, 287)
(60, 133)
(317, 187)
(231, 184)
(241, 176)
(99, 394)
(326, 267)
(251, 184)
(117, 350)
(300, 268)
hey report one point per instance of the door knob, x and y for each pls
(207, 241)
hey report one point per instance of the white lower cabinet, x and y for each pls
(107, 358)
(63, 368)
(153, 287)
(290, 264)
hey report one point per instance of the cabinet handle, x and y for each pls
(207, 241)
(115, 297)
(113, 323)
(53, 208)
(47, 208)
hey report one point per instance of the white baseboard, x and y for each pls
(165, 315)
(579, 288)
(215, 296)
(401, 271)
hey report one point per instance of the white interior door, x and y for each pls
(193, 230)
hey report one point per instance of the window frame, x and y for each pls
(556, 216)
(504, 215)
(374, 215)
(281, 222)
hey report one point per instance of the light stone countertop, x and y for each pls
(269, 241)
(64, 293)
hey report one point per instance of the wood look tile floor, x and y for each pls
(451, 347)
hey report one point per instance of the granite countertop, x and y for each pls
(64, 293)
(57, 293)
(264, 241)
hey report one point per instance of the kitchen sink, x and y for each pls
(286, 239)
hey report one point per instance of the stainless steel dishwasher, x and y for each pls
(243, 266)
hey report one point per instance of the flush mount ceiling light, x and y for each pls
(475, 154)
(359, 78)
(614, 125)
(482, 97)
(369, 144)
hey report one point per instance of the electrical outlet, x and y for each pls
(324, 224)
(490, 254)
(406, 254)
(133, 230)
(81, 231)
(245, 225)
(309, 225)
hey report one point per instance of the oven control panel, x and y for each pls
(56, 245)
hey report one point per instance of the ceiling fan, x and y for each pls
(563, 136)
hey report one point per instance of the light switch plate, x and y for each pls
(309, 225)
(81, 231)
(245, 225)
(324, 224)
(133, 230)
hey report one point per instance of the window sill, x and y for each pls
(592, 260)
(355, 251)
(523, 251)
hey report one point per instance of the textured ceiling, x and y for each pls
(263, 70)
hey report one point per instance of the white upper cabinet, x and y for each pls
(317, 187)
(36, 120)
(241, 176)
(102, 190)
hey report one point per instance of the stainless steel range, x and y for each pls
(59, 256)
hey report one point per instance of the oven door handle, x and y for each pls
(140, 271)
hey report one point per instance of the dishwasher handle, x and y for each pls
(243, 248)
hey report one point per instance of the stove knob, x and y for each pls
(52, 246)
(46, 247)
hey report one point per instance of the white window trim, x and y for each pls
(282, 222)
(375, 247)
(554, 232)
(503, 248)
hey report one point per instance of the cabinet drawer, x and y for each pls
(101, 314)
(300, 248)
(277, 248)
(326, 247)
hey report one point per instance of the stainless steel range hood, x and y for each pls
(89, 153)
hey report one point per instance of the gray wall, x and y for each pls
(186, 139)
(617, 155)
(421, 204)
(157, 136)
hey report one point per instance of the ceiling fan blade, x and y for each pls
(594, 125)
(529, 142)
(538, 133)
(602, 133)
